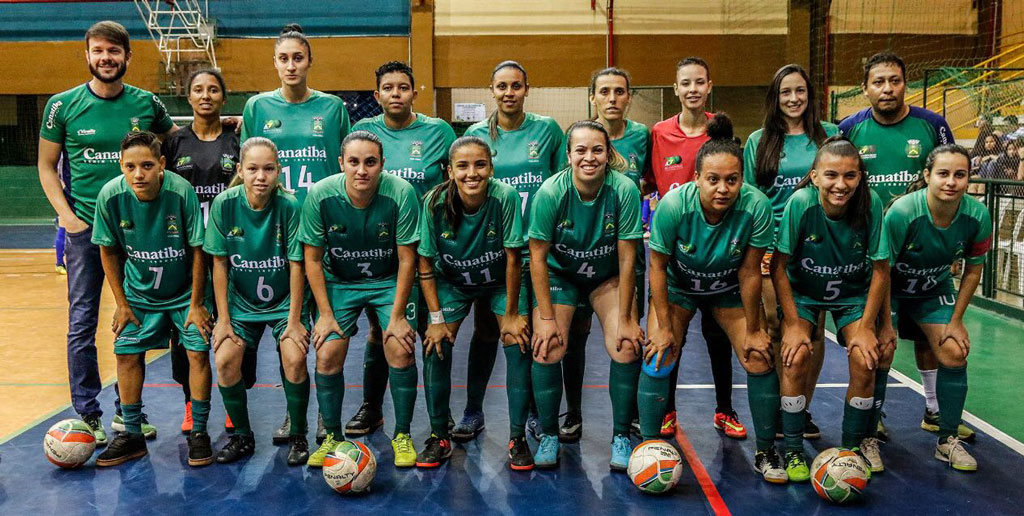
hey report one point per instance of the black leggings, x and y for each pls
(720, 353)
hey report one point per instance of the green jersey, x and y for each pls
(921, 252)
(308, 134)
(829, 261)
(473, 255)
(361, 244)
(156, 236)
(634, 146)
(798, 151)
(527, 156)
(895, 154)
(259, 245)
(90, 130)
(584, 235)
(705, 258)
(418, 153)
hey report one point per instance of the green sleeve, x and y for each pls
(983, 240)
(878, 243)
(895, 225)
(103, 225)
(407, 231)
(559, 159)
(665, 222)
(750, 157)
(427, 248)
(294, 245)
(542, 213)
(830, 128)
(763, 220)
(53, 121)
(311, 226)
(213, 242)
(511, 219)
(247, 120)
(193, 218)
(630, 225)
(161, 120)
(789, 227)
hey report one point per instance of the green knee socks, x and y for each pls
(764, 399)
(517, 380)
(403, 395)
(622, 387)
(547, 391)
(437, 382)
(236, 406)
(652, 400)
(951, 391)
(297, 397)
(330, 392)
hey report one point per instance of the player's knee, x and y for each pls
(756, 364)
(800, 361)
(953, 358)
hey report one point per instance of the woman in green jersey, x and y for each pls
(360, 230)
(307, 126)
(526, 149)
(775, 159)
(258, 282)
(831, 255)
(928, 229)
(470, 239)
(584, 229)
(708, 237)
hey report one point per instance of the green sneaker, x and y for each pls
(930, 423)
(405, 452)
(96, 424)
(796, 467)
(316, 459)
(148, 430)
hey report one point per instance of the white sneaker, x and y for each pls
(954, 452)
(870, 448)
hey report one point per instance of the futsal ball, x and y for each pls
(655, 466)
(350, 467)
(69, 443)
(839, 476)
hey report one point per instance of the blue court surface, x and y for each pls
(718, 480)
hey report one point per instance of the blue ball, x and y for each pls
(662, 372)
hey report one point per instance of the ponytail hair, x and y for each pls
(492, 121)
(294, 31)
(248, 145)
(444, 198)
(949, 148)
(858, 215)
(722, 141)
(615, 160)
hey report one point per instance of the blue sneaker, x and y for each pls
(621, 450)
(533, 426)
(547, 452)
(471, 425)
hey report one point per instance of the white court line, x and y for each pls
(694, 386)
(976, 421)
(26, 251)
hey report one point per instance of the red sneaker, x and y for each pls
(728, 423)
(186, 422)
(228, 425)
(668, 426)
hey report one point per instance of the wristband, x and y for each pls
(436, 317)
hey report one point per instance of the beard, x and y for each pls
(894, 109)
(122, 68)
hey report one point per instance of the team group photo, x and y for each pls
(452, 257)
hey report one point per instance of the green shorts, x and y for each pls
(456, 301)
(565, 292)
(843, 314)
(728, 299)
(155, 332)
(347, 303)
(909, 312)
(252, 331)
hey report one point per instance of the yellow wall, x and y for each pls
(904, 17)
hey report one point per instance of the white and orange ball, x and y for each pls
(655, 466)
(839, 476)
(350, 467)
(69, 443)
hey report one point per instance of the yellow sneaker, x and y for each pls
(316, 459)
(405, 452)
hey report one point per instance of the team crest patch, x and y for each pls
(184, 160)
(271, 124)
(914, 247)
(858, 245)
(318, 126)
(236, 232)
(492, 232)
(383, 231)
(172, 225)
(126, 224)
(813, 238)
(633, 158)
(673, 160)
(135, 125)
(534, 150)
(335, 228)
(416, 150)
(278, 234)
(687, 248)
(735, 247)
(565, 225)
(609, 223)
(913, 148)
(869, 152)
(959, 252)
(227, 163)
(447, 235)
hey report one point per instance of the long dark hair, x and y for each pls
(773, 134)
(612, 70)
(979, 144)
(444, 198)
(949, 148)
(858, 215)
(615, 160)
(492, 121)
(722, 141)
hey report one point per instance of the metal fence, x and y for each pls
(1003, 281)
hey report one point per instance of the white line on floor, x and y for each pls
(744, 386)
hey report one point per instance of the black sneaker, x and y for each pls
(366, 421)
(238, 446)
(321, 432)
(572, 428)
(200, 453)
(298, 450)
(435, 452)
(769, 465)
(520, 458)
(811, 430)
(123, 448)
(280, 436)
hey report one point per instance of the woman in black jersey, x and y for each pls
(204, 153)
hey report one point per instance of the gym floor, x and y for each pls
(718, 478)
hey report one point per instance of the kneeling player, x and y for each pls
(149, 219)
(258, 282)
(928, 229)
(360, 230)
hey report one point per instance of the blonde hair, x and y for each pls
(248, 145)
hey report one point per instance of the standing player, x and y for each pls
(928, 229)
(707, 241)
(584, 229)
(831, 255)
(527, 149)
(82, 131)
(894, 140)
(775, 159)
(674, 146)
(360, 229)
(205, 154)
(258, 282)
(470, 239)
(150, 232)
(307, 126)
(415, 149)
